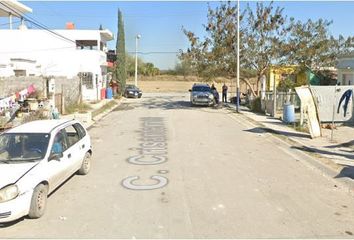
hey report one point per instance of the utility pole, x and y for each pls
(334, 109)
(274, 96)
(238, 59)
(136, 59)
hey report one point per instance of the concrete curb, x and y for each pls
(86, 118)
(329, 168)
(105, 113)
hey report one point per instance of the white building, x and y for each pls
(69, 52)
(346, 70)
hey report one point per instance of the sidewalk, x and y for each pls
(88, 119)
(340, 150)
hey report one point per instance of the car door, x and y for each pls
(74, 148)
(56, 168)
(84, 142)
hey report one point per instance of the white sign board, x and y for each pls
(309, 108)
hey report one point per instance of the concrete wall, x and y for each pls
(326, 97)
(69, 86)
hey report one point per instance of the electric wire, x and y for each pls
(36, 23)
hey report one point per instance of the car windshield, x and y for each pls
(201, 89)
(20, 147)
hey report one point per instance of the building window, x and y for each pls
(20, 73)
(86, 79)
(86, 44)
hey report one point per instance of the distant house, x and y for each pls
(293, 72)
(345, 68)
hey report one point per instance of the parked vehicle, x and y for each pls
(35, 158)
(131, 91)
(201, 94)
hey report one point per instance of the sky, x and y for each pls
(160, 23)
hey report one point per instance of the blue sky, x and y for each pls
(160, 23)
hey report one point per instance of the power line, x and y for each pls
(36, 50)
(126, 16)
(150, 53)
(36, 23)
(5, 24)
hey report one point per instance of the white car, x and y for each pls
(35, 158)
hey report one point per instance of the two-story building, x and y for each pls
(67, 52)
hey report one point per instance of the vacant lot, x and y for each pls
(164, 83)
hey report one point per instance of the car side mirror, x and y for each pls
(55, 156)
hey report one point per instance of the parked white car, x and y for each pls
(35, 158)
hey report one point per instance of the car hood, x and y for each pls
(10, 173)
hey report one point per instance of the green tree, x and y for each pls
(309, 44)
(264, 37)
(343, 46)
(184, 68)
(121, 73)
(261, 35)
(214, 55)
(145, 69)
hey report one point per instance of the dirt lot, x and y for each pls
(165, 83)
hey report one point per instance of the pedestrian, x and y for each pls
(215, 94)
(212, 87)
(224, 93)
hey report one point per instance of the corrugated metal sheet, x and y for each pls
(309, 108)
(325, 96)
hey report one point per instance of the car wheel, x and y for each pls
(86, 164)
(38, 201)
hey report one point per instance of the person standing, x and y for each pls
(224, 93)
(215, 94)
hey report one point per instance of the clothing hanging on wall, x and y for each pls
(345, 97)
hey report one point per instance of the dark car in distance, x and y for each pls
(131, 91)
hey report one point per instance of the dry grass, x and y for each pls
(105, 107)
(77, 107)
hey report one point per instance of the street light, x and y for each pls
(136, 58)
(238, 59)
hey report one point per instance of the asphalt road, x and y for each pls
(163, 169)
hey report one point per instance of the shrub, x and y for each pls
(256, 105)
(37, 115)
(77, 107)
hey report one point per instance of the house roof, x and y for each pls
(108, 35)
(14, 7)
